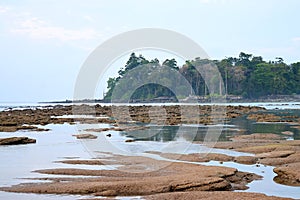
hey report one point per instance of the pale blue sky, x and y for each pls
(44, 43)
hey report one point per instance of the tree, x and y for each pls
(171, 63)
(247, 75)
(244, 59)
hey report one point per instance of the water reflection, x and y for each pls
(236, 126)
(250, 126)
(173, 133)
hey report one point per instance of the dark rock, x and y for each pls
(16, 141)
(85, 136)
(130, 140)
(8, 123)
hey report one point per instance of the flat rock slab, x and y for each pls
(288, 174)
(248, 160)
(275, 154)
(196, 157)
(81, 162)
(293, 158)
(85, 136)
(284, 154)
(257, 136)
(133, 179)
(16, 141)
(217, 195)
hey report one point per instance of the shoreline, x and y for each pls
(192, 99)
(268, 149)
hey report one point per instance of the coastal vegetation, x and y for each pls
(246, 76)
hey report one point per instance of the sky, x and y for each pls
(43, 44)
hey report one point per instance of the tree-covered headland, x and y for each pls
(247, 76)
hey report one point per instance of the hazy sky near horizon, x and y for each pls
(43, 44)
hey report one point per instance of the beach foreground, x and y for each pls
(157, 174)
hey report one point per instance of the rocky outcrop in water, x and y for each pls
(138, 176)
(85, 136)
(269, 150)
(14, 120)
(16, 141)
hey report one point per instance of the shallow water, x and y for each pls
(237, 126)
(59, 144)
(18, 162)
(266, 185)
(14, 196)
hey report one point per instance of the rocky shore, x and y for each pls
(135, 178)
(27, 119)
(270, 150)
(174, 177)
(16, 140)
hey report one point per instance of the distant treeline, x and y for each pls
(247, 76)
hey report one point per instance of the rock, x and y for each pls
(130, 140)
(264, 117)
(257, 136)
(248, 160)
(275, 154)
(123, 128)
(12, 128)
(216, 195)
(7, 123)
(288, 174)
(99, 129)
(218, 157)
(85, 136)
(281, 161)
(269, 147)
(288, 133)
(240, 180)
(82, 162)
(163, 177)
(13, 120)
(195, 157)
(16, 141)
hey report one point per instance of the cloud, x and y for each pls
(277, 50)
(296, 39)
(4, 9)
(89, 18)
(39, 29)
(215, 1)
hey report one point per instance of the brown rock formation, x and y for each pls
(16, 141)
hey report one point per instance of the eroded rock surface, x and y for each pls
(288, 174)
(85, 136)
(133, 179)
(224, 195)
(16, 141)
(283, 154)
